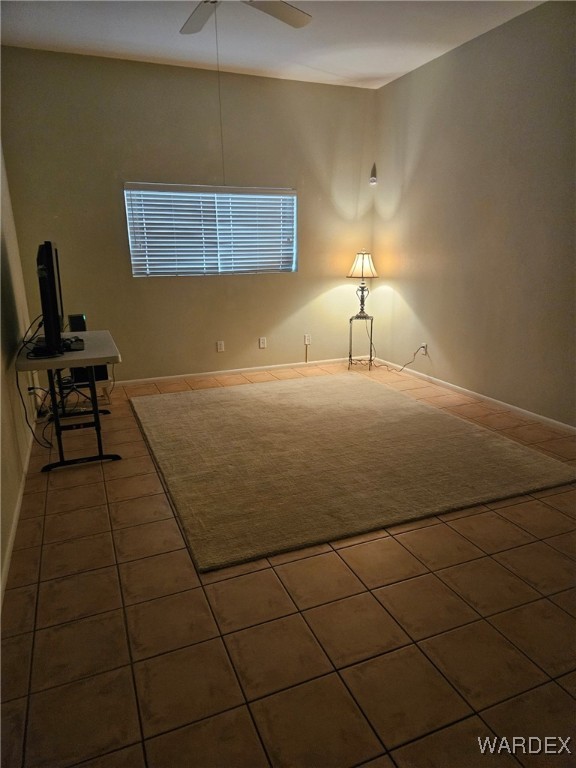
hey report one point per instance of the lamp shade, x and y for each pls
(363, 266)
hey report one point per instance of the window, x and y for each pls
(189, 230)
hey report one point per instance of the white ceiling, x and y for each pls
(348, 42)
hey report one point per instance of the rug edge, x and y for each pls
(209, 568)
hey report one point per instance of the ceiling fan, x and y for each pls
(285, 12)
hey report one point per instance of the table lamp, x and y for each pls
(362, 267)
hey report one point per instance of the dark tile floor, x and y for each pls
(400, 648)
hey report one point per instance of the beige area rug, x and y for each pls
(264, 468)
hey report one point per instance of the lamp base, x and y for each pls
(361, 316)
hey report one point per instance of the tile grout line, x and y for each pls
(298, 611)
(212, 614)
(34, 630)
(126, 630)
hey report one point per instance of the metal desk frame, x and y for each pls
(99, 349)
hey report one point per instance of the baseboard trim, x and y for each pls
(544, 420)
(230, 371)
(15, 520)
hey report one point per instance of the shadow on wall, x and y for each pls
(10, 330)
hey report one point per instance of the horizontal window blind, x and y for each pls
(175, 230)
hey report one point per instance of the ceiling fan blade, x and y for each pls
(285, 12)
(199, 17)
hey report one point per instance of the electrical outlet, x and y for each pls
(307, 339)
(219, 346)
(424, 348)
(262, 342)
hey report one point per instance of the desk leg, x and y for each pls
(55, 413)
(100, 456)
(94, 398)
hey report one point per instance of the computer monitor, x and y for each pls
(51, 301)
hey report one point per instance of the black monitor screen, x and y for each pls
(51, 299)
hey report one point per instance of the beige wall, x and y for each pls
(471, 224)
(77, 127)
(16, 439)
(475, 226)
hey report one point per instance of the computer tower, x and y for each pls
(80, 375)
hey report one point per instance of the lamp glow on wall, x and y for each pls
(363, 268)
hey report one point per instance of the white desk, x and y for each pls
(99, 349)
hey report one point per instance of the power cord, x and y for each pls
(113, 378)
(47, 443)
(387, 367)
(26, 341)
(398, 370)
(65, 392)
